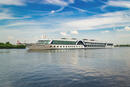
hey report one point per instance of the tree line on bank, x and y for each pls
(123, 45)
(8, 45)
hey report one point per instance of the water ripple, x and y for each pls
(65, 68)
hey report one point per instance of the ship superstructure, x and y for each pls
(65, 43)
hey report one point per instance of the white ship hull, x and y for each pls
(48, 47)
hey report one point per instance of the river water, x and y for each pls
(65, 68)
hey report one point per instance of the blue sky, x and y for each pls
(28, 20)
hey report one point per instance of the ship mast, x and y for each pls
(44, 36)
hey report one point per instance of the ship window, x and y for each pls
(57, 46)
(43, 41)
(109, 44)
(50, 46)
(63, 42)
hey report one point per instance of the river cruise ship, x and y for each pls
(65, 43)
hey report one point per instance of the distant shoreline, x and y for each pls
(123, 45)
(12, 48)
(8, 45)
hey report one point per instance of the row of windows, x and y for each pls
(43, 41)
(88, 43)
(95, 45)
(109, 44)
(65, 46)
(77, 46)
(63, 42)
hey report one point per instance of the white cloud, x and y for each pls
(106, 31)
(79, 9)
(10, 37)
(86, 0)
(119, 30)
(7, 14)
(119, 3)
(127, 28)
(71, 1)
(74, 32)
(63, 33)
(4, 15)
(29, 34)
(54, 11)
(107, 20)
(24, 23)
(11, 2)
(58, 2)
